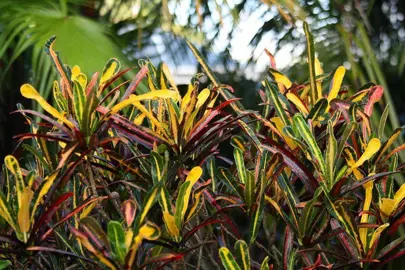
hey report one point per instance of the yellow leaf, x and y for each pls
(192, 177)
(24, 211)
(372, 147)
(366, 207)
(185, 101)
(280, 125)
(171, 224)
(281, 78)
(148, 96)
(75, 72)
(318, 71)
(387, 206)
(139, 119)
(336, 83)
(298, 103)
(129, 235)
(29, 92)
(169, 76)
(202, 97)
(399, 195)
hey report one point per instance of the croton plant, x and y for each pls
(109, 177)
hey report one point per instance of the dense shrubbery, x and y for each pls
(114, 179)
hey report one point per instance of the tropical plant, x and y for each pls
(116, 179)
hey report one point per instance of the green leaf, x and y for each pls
(315, 93)
(4, 264)
(227, 259)
(116, 235)
(383, 120)
(242, 250)
(249, 188)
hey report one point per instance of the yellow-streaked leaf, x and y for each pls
(86, 211)
(6, 213)
(184, 194)
(14, 167)
(24, 211)
(44, 190)
(377, 234)
(372, 147)
(242, 248)
(111, 68)
(227, 259)
(29, 92)
(280, 127)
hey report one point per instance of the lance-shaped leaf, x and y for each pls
(265, 264)
(133, 99)
(184, 194)
(128, 208)
(280, 78)
(111, 68)
(116, 235)
(14, 167)
(336, 83)
(240, 165)
(387, 144)
(318, 110)
(242, 251)
(308, 137)
(5, 212)
(148, 231)
(45, 187)
(330, 155)
(147, 205)
(249, 188)
(315, 92)
(227, 259)
(29, 92)
(277, 102)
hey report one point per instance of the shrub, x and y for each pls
(111, 179)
